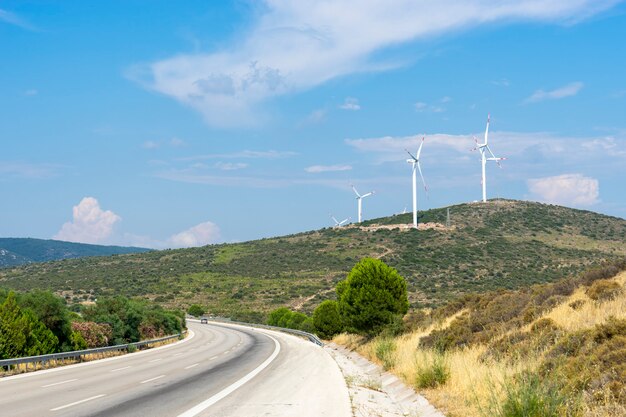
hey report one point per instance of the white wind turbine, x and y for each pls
(359, 199)
(483, 148)
(337, 222)
(415, 161)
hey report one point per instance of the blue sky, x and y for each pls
(169, 124)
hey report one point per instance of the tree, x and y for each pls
(371, 297)
(279, 317)
(326, 319)
(196, 310)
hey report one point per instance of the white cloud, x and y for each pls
(350, 103)
(230, 166)
(90, 224)
(567, 189)
(31, 92)
(503, 82)
(271, 154)
(199, 235)
(13, 19)
(156, 144)
(295, 45)
(315, 117)
(568, 90)
(150, 144)
(316, 169)
(420, 106)
(28, 170)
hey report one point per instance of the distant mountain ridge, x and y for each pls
(20, 251)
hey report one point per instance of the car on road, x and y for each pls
(204, 320)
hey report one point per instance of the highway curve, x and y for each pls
(219, 370)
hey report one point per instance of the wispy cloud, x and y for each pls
(567, 189)
(271, 154)
(29, 170)
(230, 166)
(568, 90)
(316, 169)
(31, 92)
(295, 45)
(13, 19)
(199, 235)
(350, 103)
(156, 144)
(422, 107)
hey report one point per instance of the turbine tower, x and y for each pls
(337, 222)
(359, 199)
(483, 148)
(415, 161)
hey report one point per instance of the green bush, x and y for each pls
(196, 310)
(371, 297)
(326, 319)
(529, 396)
(433, 374)
(385, 352)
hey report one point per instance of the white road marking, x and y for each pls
(119, 369)
(59, 383)
(191, 366)
(156, 360)
(178, 354)
(152, 379)
(194, 411)
(214, 357)
(77, 402)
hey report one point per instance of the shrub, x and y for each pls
(371, 297)
(432, 374)
(326, 319)
(279, 316)
(385, 349)
(196, 310)
(603, 290)
(529, 396)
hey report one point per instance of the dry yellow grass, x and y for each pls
(474, 381)
(591, 312)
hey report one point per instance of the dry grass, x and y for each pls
(475, 381)
(591, 312)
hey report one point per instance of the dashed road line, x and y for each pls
(77, 402)
(152, 379)
(191, 366)
(119, 369)
(59, 383)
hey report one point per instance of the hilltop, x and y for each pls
(19, 251)
(500, 244)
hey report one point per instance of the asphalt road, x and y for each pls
(218, 370)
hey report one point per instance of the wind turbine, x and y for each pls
(337, 222)
(415, 161)
(483, 148)
(359, 199)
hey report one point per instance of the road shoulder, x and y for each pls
(374, 392)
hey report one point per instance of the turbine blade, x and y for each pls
(419, 151)
(487, 128)
(355, 191)
(410, 154)
(419, 168)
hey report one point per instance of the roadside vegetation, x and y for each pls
(555, 349)
(39, 322)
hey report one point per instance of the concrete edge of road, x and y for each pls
(190, 335)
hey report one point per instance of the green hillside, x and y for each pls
(19, 251)
(501, 244)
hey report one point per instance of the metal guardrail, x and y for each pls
(78, 354)
(310, 336)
